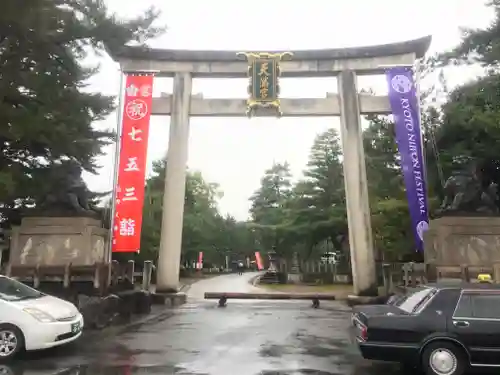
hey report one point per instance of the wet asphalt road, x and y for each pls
(245, 338)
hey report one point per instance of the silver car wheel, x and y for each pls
(443, 362)
(8, 342)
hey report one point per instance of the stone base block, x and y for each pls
(294, 278)
(57, 241)
(100, 312)
(460, 240)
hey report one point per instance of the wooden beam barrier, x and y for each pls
(314, 297)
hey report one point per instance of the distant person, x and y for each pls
(240, 268)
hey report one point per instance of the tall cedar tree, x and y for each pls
(45, 115)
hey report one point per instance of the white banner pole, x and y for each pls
(119, 118)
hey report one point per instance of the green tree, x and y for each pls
(469, 121)
(269, 204)
(479, 45)
(201, 224)
(235, 239)
(324, 171)
(46, 112)
(382, 160)
(318, 211)
(388, 203)
(200, 218)
(391, 226)
(470, 126)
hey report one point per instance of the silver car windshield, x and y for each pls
(413, 302)
(12, 290)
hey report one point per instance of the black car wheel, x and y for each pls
(443, 358)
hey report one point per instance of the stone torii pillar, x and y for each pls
(175, 186)
(344, 63)
(356, 187)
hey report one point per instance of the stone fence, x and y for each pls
(97, 279)
(101, 279)
(412, 274)
(389, 274)
(105, 293)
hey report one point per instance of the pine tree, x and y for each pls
(46, 113)
(269, 207)
(321, 213)
(324, 172)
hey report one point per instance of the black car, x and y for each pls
(444, 329)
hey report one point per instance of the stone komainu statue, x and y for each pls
(469, 191)
(67, 194)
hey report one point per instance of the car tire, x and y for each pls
(11, 341)
(6, 370)
(444, 358)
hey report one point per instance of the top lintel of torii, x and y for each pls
(305, 63)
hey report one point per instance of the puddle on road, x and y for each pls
(20, 369)
(322, 346)
(96, 370)
(273, 350)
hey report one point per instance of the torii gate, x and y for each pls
(344, 63)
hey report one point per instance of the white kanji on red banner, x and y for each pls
(136, 109)
(127, 227)
(131, 165)
(129, 194)
(146, 91)
(136, 112)
(134, 91)
(135, 134)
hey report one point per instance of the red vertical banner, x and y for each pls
(258, 260)
(129, 193)
(200, 260)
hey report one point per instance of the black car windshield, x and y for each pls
(12, 290)
(414, 301)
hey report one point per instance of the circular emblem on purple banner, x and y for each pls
(401, 84)
(422, 226)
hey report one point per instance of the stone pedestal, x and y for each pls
(58, 241)
(457, 240)
(294, 275)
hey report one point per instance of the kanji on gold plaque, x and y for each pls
(263, 73)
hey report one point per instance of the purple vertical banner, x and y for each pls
(405, 109)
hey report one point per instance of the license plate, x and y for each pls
(75, 327)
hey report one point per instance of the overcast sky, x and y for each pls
(234, 152)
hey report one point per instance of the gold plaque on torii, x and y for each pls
(264, 73)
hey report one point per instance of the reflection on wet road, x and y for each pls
(199, 338)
